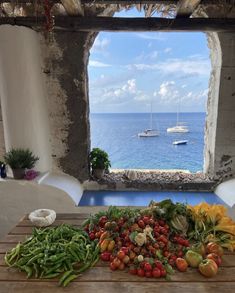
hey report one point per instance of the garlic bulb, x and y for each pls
(42, 217)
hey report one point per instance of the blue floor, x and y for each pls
(142, 198)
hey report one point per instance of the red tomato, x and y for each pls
(133, 271)
(92, 235)
(105, 256)
(216, 258)
(208, 268)
(146, 220)
(156, 273)
(121, 254)
(102, 221)
(147, 267)
(180, 253)
(112, 257)
(163, 239)
(124, 249)
(112, 266)
(213, 247)
(163, 272)
(117, 262)
(158, 264)
(181, 264)
(171, 262)
(148, 274)
(166, 253)
(140, 273)
(141, 224)
(121, 266)
(161, 222)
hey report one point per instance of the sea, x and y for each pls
(117, 134)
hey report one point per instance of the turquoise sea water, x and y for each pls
(117, 134)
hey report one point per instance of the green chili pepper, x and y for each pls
(51, 276)
(69, 279)
(65, 276)
(28, 270)
(36, 257)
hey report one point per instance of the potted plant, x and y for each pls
(20, 159)
(99, 161)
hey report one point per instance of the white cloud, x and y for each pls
(151, 36)
(100, 45)
(192, 67)
(167, 50)
(95, 63)
(119, 95)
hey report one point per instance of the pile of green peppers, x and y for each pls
(61, 252)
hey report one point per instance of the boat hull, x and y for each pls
(180, 142)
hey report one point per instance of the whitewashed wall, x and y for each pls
(22, 93)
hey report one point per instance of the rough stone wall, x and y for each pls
(2, 142)
(66, 59)
(219, 154)
(212, 103)
(225, 131)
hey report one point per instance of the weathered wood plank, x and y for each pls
(116, 287)
(125, 2)
(117, 24)
(186, 7)
(74, 222)
(228, 261)
(66, 216)
(105, 274)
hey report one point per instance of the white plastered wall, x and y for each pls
(22, 93)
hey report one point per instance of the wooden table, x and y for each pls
(100, 278)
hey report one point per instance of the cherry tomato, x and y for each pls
(141, 224)
(158, 264)
(121, 254)
(171, 262)
(148, 274)
(117, 262)
(121, 266)
(133, 271)
(146, 220)
(166, 253)
(147, 267)
(181, 264)
(140, 272)
(92, 235)
(112, 266)
(161, 223)
(156, 273)
(124, 249)
(112, 257)
(105, 256)
(102, 221)
(163, 272)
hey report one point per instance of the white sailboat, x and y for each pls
(179, 128)
(150, 132)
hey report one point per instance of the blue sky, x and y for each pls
(129, 71)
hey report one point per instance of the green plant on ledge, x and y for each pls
(20, 159)
(99, 162)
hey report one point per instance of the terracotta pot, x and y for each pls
(18, 173)
(98, 173)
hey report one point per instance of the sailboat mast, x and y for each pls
(151, 116)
